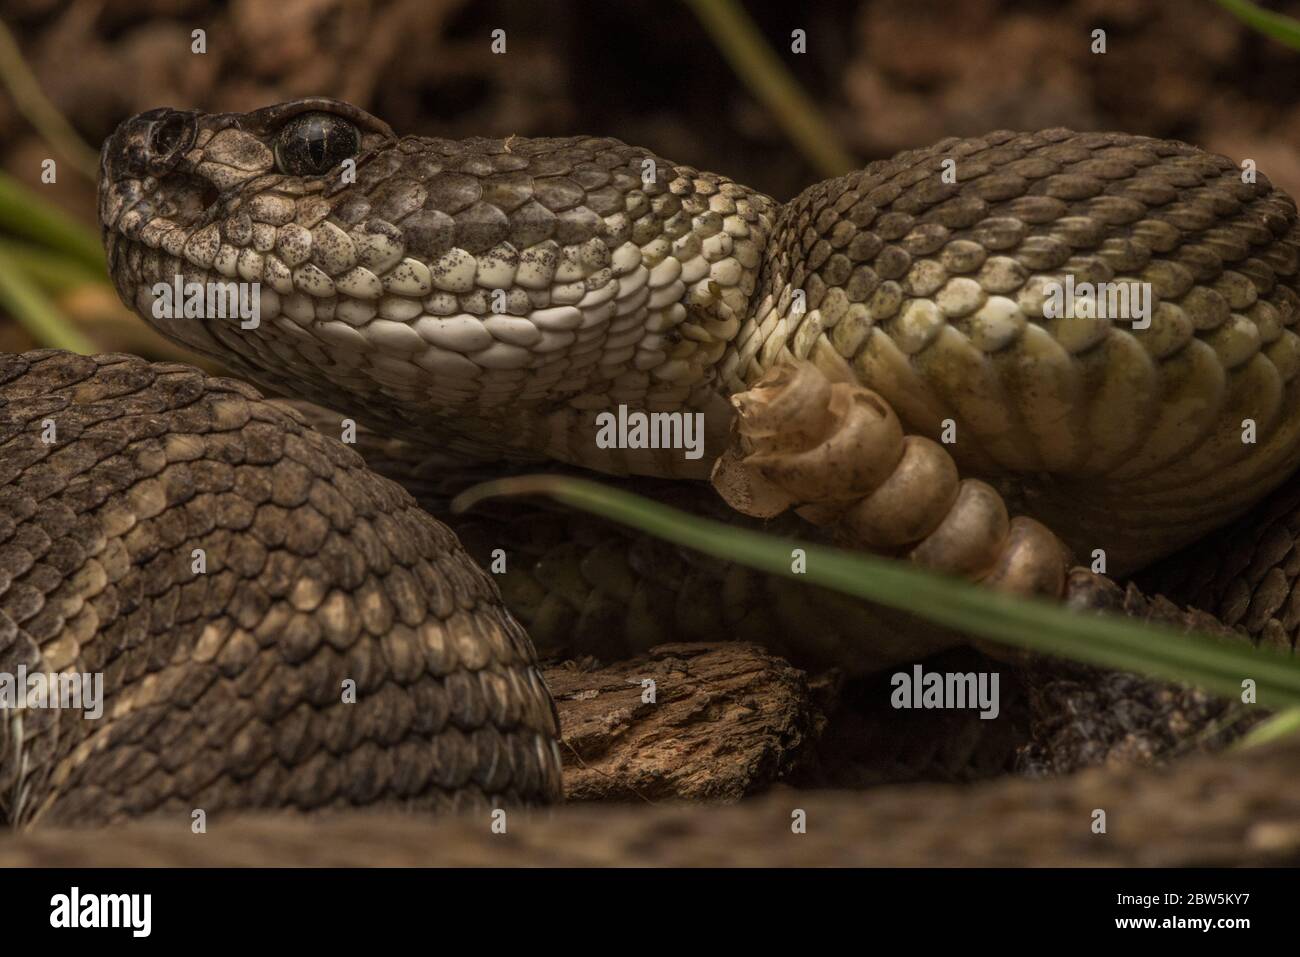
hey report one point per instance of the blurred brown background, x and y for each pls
(888, 74)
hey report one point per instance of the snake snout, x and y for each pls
(145, 165)
(151, 143)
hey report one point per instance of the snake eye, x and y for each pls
(314, 143)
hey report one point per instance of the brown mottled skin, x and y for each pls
(225, 689)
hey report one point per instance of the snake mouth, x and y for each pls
(140, 212)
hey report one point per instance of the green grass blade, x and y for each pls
(21, 297)
(22, 214)
(32, 103)
(773, 85)
(51, 271)
(1274, 729)
(1280, 27)
(1108, 641)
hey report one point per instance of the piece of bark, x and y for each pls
(726, 720)
(1240, 808)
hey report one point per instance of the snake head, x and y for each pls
(504, 290)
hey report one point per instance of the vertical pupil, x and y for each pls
(317, 136)
(312, 144)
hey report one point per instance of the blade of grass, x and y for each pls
(1280, 27)
(35, 313)
(1274, 729)
(771, 82)
(39, 111)
(52, 271)
(22, 214)
(1109, 641)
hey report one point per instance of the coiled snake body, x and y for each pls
(488, 299)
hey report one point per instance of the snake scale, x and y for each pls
(479, 303)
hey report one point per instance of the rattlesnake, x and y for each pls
(482, 302)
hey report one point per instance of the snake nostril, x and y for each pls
(171, 136)
(166, 135)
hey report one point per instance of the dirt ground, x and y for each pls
(1218, 812)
